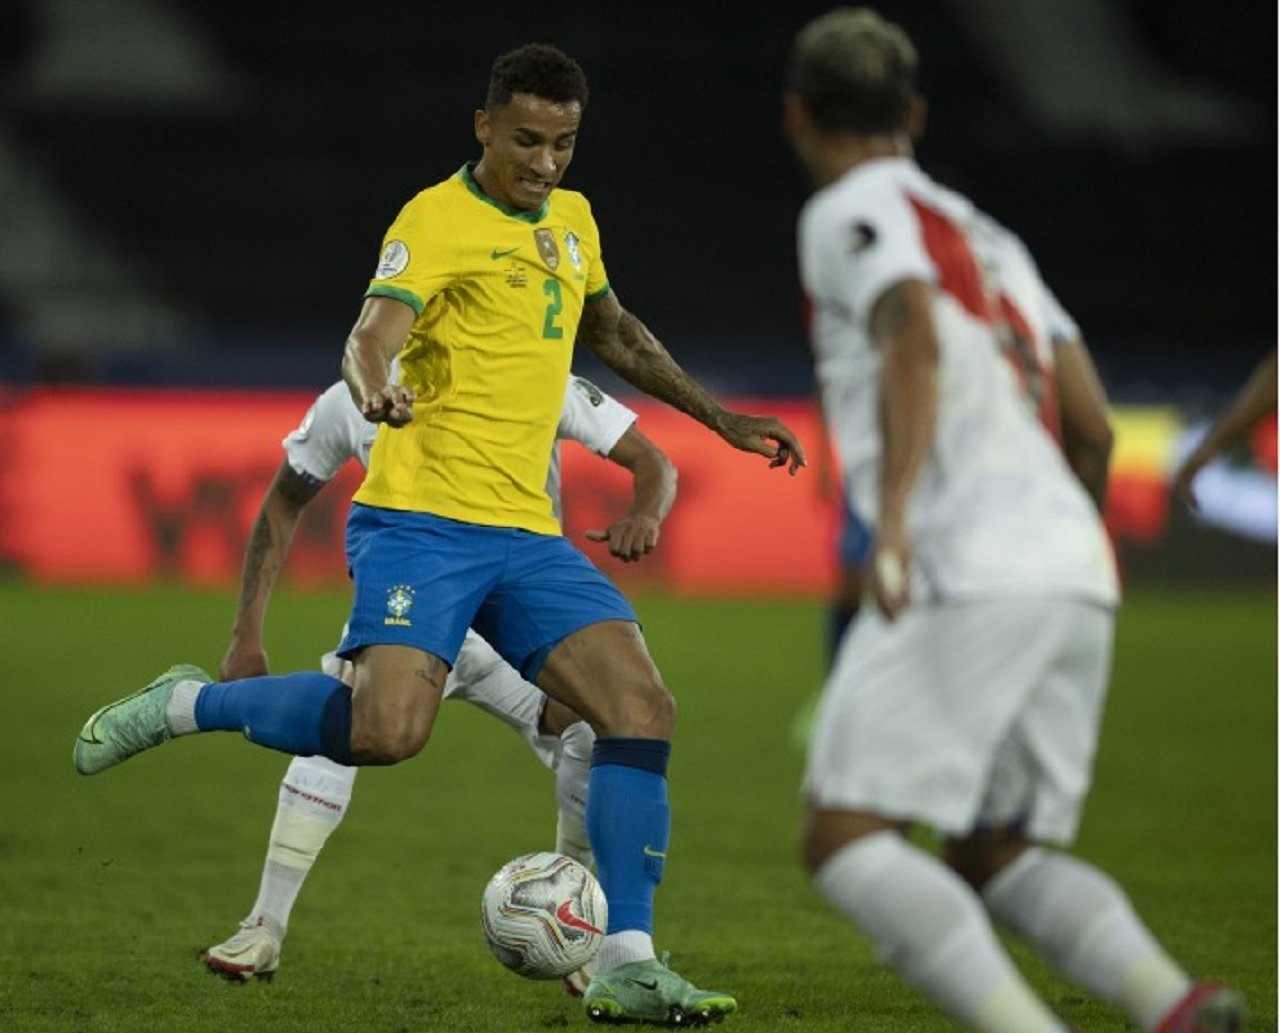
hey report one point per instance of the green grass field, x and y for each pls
(111, 884)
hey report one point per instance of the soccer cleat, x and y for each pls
(1206, 1008)
(131, 725)
(648, 991)
(252, 953)
(576, 983)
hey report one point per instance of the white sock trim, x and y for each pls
(180, 713)
(624, 947)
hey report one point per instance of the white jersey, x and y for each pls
(333, 431)
(1031, 322)
(996, 511)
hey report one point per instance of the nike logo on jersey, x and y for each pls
(495, 254)
(566, 916)
(650, 852)
(650, 985)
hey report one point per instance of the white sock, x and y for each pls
(571, 837)
(313, 798)
(573, 768)
(1085, 926)
(927, 923)
(180, 712)
(619, 948)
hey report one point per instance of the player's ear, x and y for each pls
(795, 116)
(483, 127)
(917, 115)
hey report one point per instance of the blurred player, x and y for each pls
(969, 700)
(1054, 372)
(484, 283)
(1255, 399)
(315, 792)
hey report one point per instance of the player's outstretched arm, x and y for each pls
(902, 327)
(653, 487)
(1087, 437)
(372, 345)
(1255, 399)
(625, 344)
(264, 556)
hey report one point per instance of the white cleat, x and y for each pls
(576, 983)
(252, 953)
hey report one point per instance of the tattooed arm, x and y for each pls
(627, 347)
(263, 557)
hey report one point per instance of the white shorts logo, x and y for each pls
(394, 260)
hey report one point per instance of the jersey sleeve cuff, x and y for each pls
(600, 292)
(398, 294)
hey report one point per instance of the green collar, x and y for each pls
(467, 175)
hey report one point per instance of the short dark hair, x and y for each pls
(540, 69)
(854, 71)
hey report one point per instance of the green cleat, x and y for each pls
(648, 991)
(131, 725)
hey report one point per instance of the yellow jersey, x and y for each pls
(498, 294)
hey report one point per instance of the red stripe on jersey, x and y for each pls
(1035, 379)
(958, 272)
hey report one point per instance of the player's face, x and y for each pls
(528, 143)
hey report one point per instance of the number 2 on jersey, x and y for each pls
(550, 330)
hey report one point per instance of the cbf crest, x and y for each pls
(399, 603)
(547, 248)
(575, 253)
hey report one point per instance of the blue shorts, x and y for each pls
(421, 580)
(856, 539)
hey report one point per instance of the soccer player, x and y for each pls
(969, 700)
(1256, 398)
(484, 283)
(315, 792)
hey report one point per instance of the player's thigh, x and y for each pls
(1042, 769)
(913, 711)
(604, 672)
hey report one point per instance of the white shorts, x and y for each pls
(482, 678)
(962, 715)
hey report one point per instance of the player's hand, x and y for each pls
(630, 538)
(765, 436)
(891, 572)
(393, 405)
(243, 661)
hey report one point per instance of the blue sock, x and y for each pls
(304, 713)
(629, 823)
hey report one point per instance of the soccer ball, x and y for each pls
(543, 915)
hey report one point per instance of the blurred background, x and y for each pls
(193, 196)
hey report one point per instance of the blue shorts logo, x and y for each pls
(399, 603)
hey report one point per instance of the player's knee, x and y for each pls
(644, 709)
(980, 857)
(387, 730)
(826, 833)
(387, 744)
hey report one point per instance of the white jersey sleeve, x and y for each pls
(332, 432)
(1062, 328)
(876, 246)
(592, 418)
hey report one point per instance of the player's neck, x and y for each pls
(845, 153)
